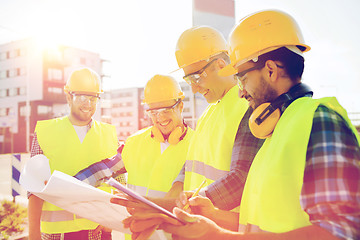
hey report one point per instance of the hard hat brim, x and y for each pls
(228, 70)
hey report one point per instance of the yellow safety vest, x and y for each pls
(210, 149)
(271, 198)
(150, 172)
(61, 145)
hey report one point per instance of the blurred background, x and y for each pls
(128, 42)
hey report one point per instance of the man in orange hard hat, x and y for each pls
(304, 182)
(71, 143)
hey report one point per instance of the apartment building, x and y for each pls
(32, 78)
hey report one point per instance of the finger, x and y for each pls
(119, 201)
(183, 199)
(147, 233)
(131, 211)
(142, 225)
(184, 215)
(200, 201)
(135, 235)
(153, 216)
(126, 202)
(127, 221)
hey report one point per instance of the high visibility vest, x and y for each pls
(271, 197)
(210, 149)
(150, 172)
(61, 145)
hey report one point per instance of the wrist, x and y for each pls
(212, 214)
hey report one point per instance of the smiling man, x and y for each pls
(223, 147)
(154, 156)
(71, 143)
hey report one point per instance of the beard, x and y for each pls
(265, 93)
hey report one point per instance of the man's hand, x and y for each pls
(198, 205)
(198, 227)
(132, 205)
(143, 225)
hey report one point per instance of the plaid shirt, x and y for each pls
(331, 188)
(225, 193)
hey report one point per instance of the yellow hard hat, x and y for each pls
(260, 33)
(83, 80)
(197, 44)
(162, 88)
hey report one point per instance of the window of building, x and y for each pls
(22, 51)
(186, 109)
(55, 90)
(2, 112)
(23, 111)
(12, 92)
(3, 92)
(185, 88)
(2, 56)
(17, 52)
(12, 73)
(43, 109)
(23, 71)
(55, 74)
(22, 91)
(2, 74)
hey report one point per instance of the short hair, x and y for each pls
(293, 63)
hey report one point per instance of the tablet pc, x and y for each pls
(112, 182)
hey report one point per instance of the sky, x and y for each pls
(138, 37)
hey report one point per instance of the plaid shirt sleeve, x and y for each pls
(226, 192)
(331, 189)
(35, 147)
(98, 172)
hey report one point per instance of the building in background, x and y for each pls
(32, 79)
(215, 13)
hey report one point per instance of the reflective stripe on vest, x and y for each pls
(210, 150)
(204, 170)
(150, 171)
(57, 216)
(145, 191)
(271, 197)
(61, 145)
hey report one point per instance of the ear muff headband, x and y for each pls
(263, 120)
(175, 136)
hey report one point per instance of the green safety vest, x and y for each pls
(150, 172)
(271, 198)
(61, 145)
(209, 154)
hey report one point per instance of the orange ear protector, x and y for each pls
(175, 136)
(263, 120)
